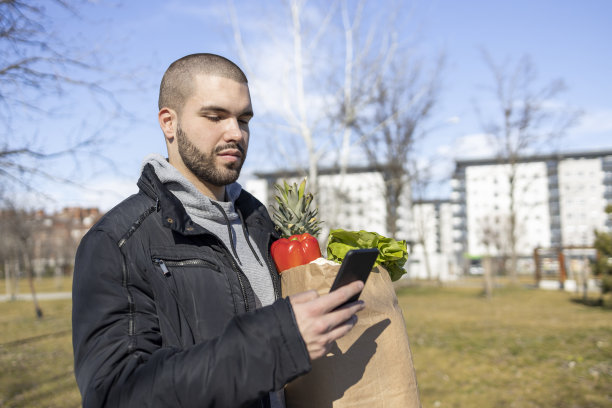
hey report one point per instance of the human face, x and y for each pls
(212, 133)
(203, 165)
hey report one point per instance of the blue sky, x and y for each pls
(139, 39)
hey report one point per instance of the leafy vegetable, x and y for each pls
(392, 254)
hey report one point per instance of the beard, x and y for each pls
(204, 166)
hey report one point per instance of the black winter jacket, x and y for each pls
(164, 317)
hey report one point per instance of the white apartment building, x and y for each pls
(559, 201)
(355, 201)
(429, 228)
(582, 195)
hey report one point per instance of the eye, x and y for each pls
(244, 119)
(213, 118)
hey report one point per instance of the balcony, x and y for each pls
(459, 213)
(554, 194)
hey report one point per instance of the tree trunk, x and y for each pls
(30, 272)
(513, 237)
(16, 275)
(487, 266)
(8, 281)
(585, 278)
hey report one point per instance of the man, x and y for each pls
(176, 301)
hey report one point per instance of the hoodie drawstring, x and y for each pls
(246, 236)
(229, 231)
(231, 235)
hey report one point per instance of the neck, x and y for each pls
(211, 191)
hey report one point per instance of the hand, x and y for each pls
(319, 324)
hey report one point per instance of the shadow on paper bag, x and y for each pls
(372, 365)
(354, 360)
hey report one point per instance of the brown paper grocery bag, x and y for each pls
(369, 367)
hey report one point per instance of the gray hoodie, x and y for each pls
(220, 218)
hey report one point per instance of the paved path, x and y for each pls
(39, 296)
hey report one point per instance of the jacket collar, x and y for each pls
(172, 210)
(175, 217)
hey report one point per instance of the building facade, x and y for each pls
(429, 226)
(356, 201)
(352, 201)
(553, 201)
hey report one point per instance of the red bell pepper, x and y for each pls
(295, 251)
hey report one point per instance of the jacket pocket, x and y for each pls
(199, 293)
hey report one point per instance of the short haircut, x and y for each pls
(177, 82)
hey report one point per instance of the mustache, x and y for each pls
(227, 146)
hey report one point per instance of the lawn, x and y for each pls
(523, 348)
(36, 356)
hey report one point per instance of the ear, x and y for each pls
(168, 122)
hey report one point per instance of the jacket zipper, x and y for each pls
(272, 270)
(242, 288)
(277, 294)
(163, 264)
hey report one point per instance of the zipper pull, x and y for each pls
(163, 266)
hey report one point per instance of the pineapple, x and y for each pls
(297, 223)
(294, 215)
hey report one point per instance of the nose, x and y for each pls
(234, 131)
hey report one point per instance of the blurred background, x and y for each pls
(477, 131)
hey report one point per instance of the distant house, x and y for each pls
(49, 240)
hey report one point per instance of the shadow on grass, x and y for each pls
(594, 302)
(43, 391)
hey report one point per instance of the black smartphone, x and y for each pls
(357, 265)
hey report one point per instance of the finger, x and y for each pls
(359, 303)
(303, 297)
(342, 329)
(328, 339)
(330, 321)
(334, 299)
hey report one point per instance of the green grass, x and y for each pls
(36, 356)
(42, 285)
(523, 348)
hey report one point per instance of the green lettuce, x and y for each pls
(392, 254)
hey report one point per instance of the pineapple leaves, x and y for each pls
(293, 214)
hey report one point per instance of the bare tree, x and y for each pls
(16, 248)
(404, 102)
(420, 177)
(346, 82)
(299, 119)
(526, 119)
(327, 78)
(492, 237)
(37, 72)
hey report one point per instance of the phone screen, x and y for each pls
(357, 265)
